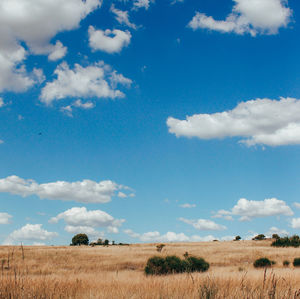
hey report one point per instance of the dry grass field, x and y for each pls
(117, 272)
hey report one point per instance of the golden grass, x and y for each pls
(117, 272)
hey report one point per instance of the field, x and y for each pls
(117, 272)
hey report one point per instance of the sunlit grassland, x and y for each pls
(117, 272)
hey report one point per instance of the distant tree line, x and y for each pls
(83, 239)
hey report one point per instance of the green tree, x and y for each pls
(106, 242)
(80, 239)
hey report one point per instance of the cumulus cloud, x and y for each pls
(137, 4)
(295, 223)
(96, 80)
(86, 191)
(249, 209)
(5, 218)
(155, 236)
(29, 234)
(13, 74)
(68, 110)
(260, 121)
(297, 205)
(122, 17)
(203, 224)
(248, 16)
(223, 214)
(58, 51)
(187, 206)
(110, 41)
(82, 220)
(35, 23)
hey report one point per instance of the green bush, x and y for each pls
(259, 237)
(286, 263)
(296, 262)
(237, 238)
(172, 264)
(293, 241)
(196, 264)
(156, 266)
(262, 263)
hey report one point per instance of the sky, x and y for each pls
(149, 121)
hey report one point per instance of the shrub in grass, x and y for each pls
(296, 262)
(172, 264)
(286, 263)
(156, 266)
(196, 264)
(293, 241)
(262, 263)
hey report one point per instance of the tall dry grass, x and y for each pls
(117, 272)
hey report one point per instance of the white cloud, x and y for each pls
(295, 223)
(58, 51)
(177, 1)
(248, 16)
(260, 121)
(297, 205)
(86, 191)
(68, 110)
(90, 231)
(203, 224)
(249, 209)
(122, 17)
(1, 102)
(13, 74)
(86, 105)
(223, 214)
(187, 206)
(131, 233)
(82, 220)
(5, 218)
(110, 41)
(35, 23)
(28, 234)
(155, 236)
(275, 230)
(94, 81)
(137, 4)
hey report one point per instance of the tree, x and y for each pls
(80, 239)
(237, 238)
(106, 242)
(259, 237)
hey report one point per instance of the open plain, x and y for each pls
(118, 272)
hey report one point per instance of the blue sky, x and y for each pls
(148, 121)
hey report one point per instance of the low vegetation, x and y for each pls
(157, 265)
(106, 272)
(263, 262)
(293, 241)
(296, 262)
